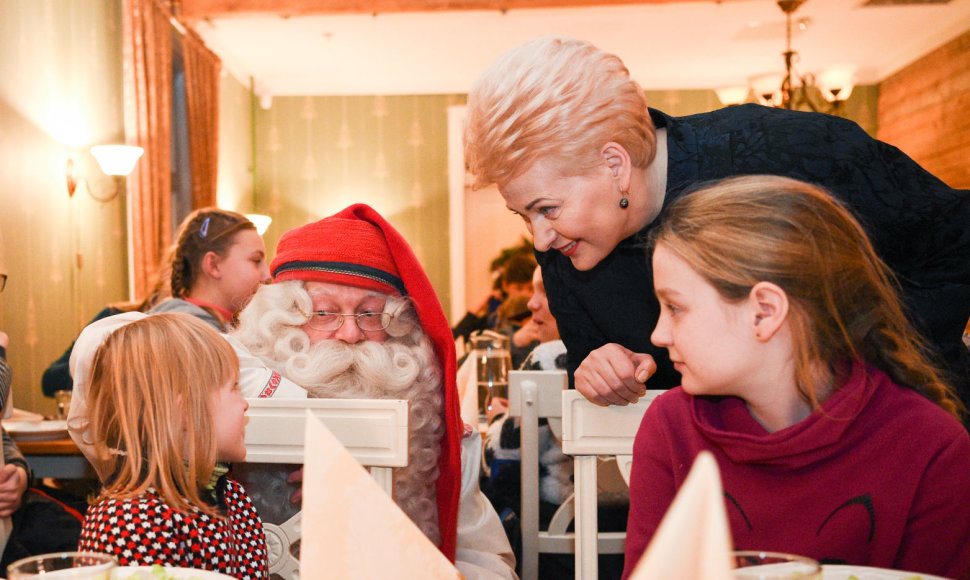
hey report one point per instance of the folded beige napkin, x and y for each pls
(693, 541)
(351, 528)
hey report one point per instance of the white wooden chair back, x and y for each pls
(534, 395)
(374, 431)
(589, 431)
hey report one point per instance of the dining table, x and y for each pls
(57, 458)
(48, 449)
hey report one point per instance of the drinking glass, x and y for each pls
(755, 565)
(494, 362)
(63, 399)
(64, 565)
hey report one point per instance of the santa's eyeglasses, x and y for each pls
(332, 321)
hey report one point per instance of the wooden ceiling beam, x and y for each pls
(201, 9)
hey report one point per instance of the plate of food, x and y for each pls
(838, 572)
(158, 572)
(35, 430)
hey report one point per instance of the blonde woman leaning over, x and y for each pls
(166, 415)
(566, 134)
(835, 436)
(217, 263)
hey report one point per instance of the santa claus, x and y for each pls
(351, 314)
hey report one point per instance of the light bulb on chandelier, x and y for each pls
(792, 90)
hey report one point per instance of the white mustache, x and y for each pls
(332, 368)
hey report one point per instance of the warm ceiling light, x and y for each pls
(767, 88)
(837, 82)
(732, 95)
(260, 221)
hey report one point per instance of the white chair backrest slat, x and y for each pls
(374, 431)
(588, 431)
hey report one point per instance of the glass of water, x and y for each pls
(66, 565)
(63, 400)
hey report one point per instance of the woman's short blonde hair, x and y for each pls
(558, 99)
(843, 301)
(149, 407)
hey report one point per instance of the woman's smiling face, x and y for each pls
(577, 215)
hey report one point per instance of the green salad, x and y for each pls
(157, 572)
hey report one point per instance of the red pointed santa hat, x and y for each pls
(357, 247)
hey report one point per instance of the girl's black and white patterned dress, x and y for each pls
(146, 531)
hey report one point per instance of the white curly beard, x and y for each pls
(403, 367)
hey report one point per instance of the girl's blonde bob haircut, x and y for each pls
(843, 300)
(149, 406)
(556, 99)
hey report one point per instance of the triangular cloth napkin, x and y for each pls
(351, 528)
(693, 541)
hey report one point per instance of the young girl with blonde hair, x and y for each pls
(165, 416)
(835, 435)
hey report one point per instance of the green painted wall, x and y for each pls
(317, 155)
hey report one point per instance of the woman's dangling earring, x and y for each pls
(624, 202)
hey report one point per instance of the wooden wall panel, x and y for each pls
(924, 110)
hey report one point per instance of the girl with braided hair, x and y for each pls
(217, 262)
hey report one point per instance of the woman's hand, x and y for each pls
(526, 335)
(614, 375)
(496, 406)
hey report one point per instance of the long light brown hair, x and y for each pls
(149, 407)
(844, 304)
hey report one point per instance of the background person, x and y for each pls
(566, 135)
(834, 435)
(218, 261)
(15, 474)
(351, 314)
(512, 270)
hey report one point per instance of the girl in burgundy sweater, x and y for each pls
(835, 436)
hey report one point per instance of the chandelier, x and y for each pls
(825, 93)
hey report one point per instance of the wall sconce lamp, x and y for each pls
(118, 161)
